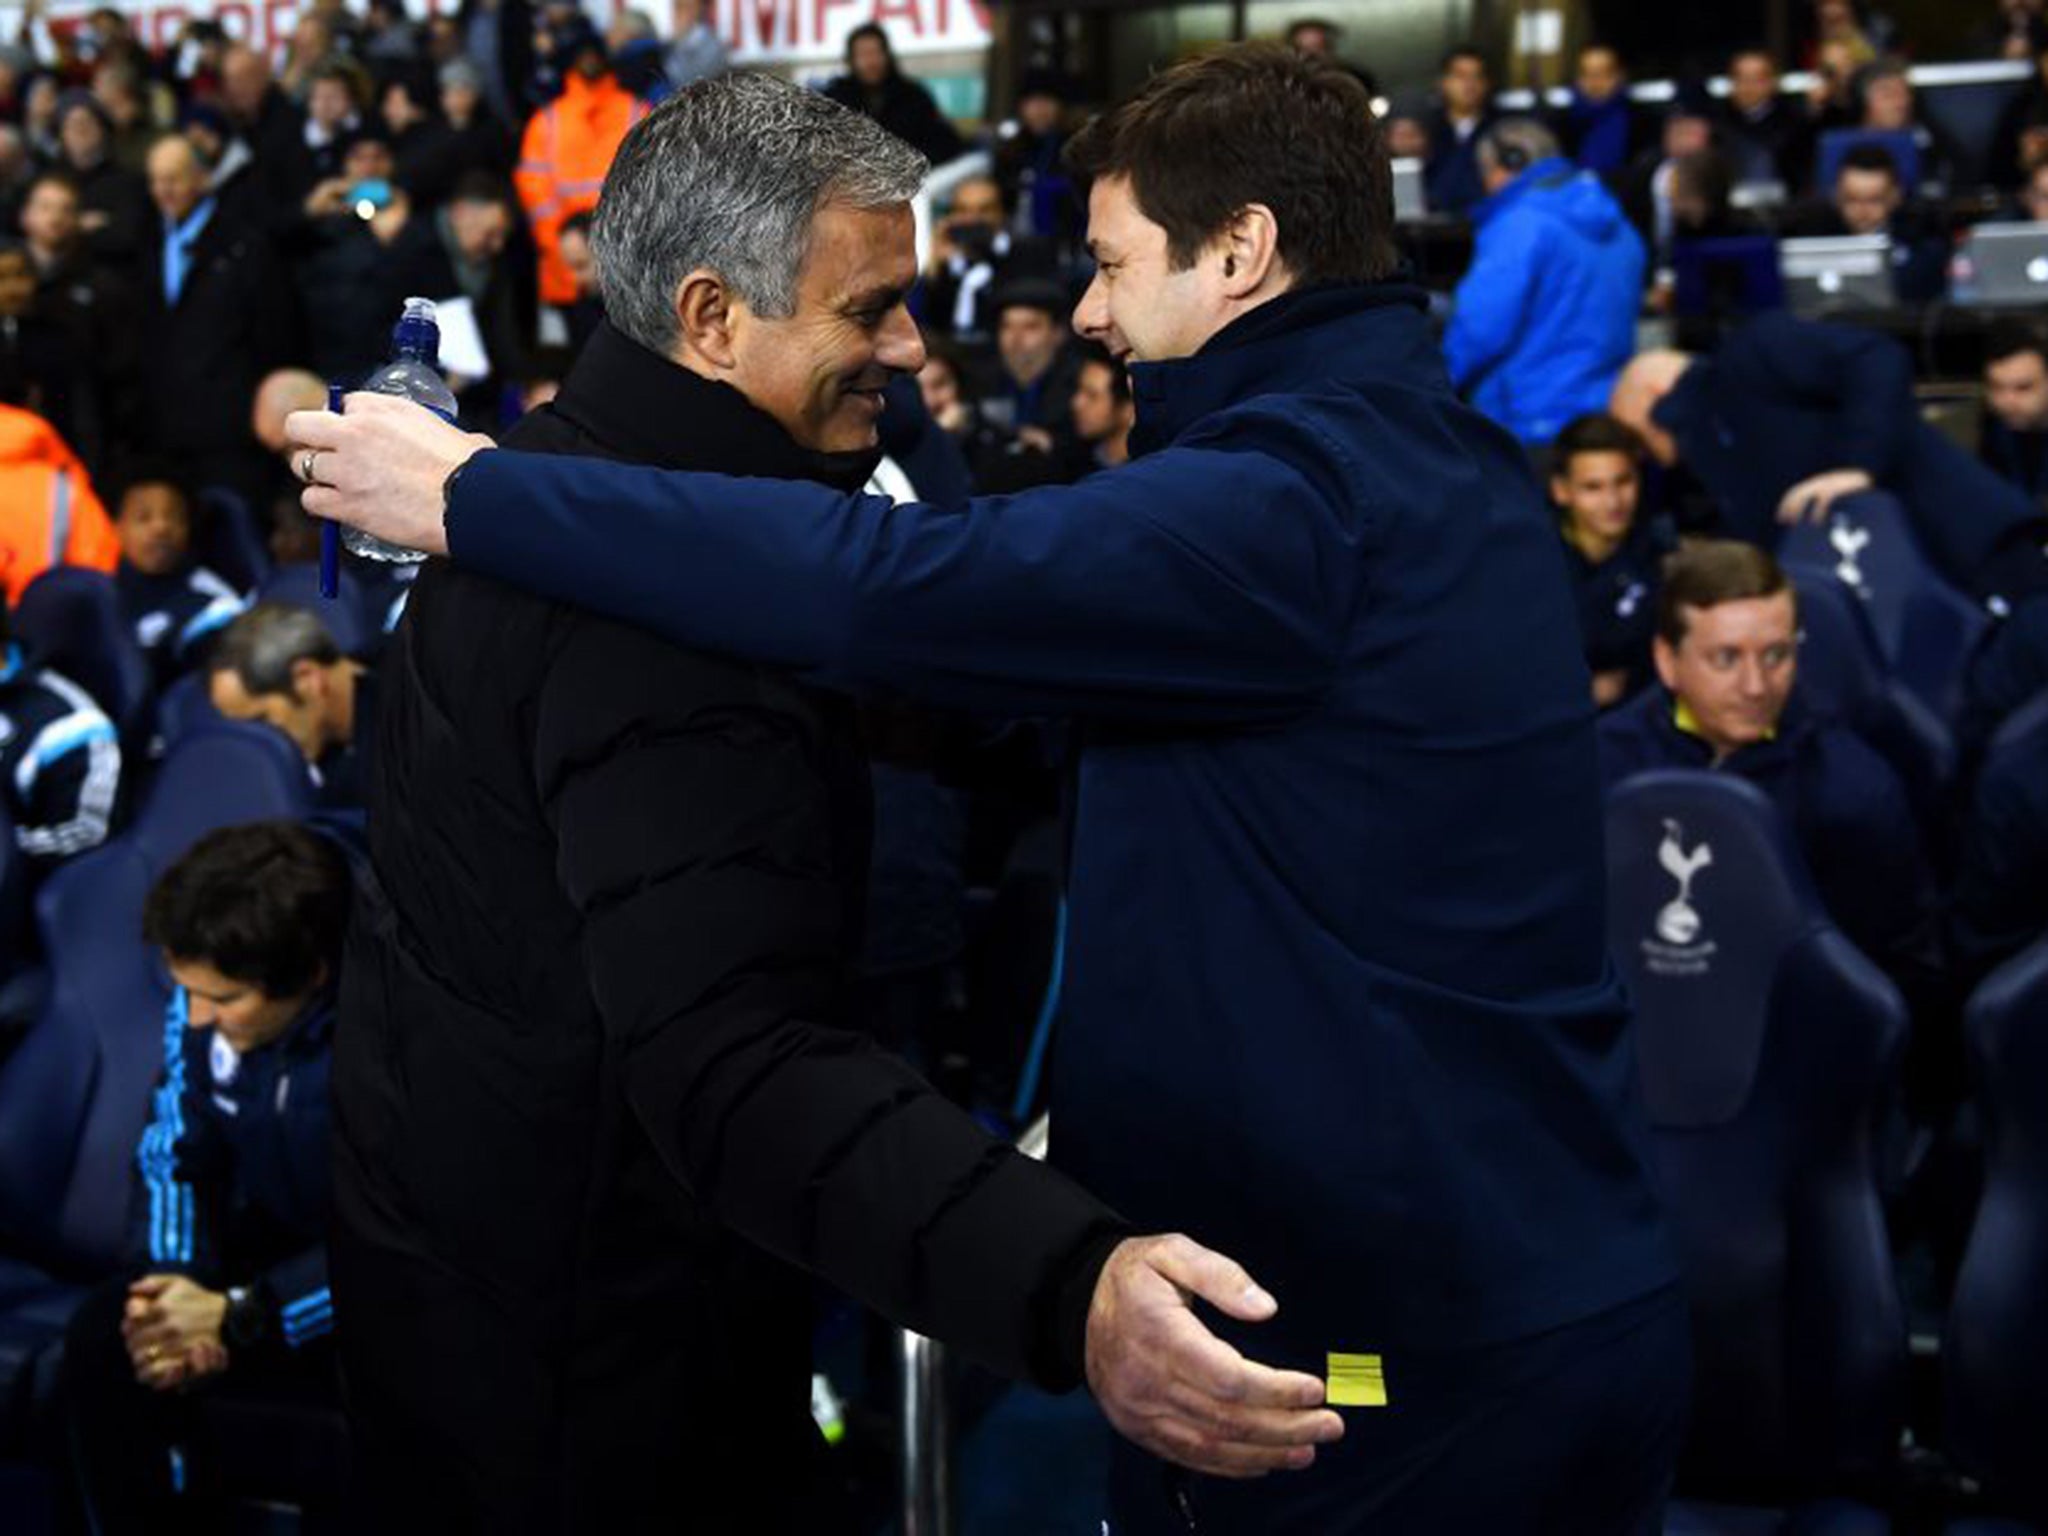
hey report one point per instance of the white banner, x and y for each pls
(798, 31)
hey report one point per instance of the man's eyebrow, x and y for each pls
(1101, 250)
(887, 296)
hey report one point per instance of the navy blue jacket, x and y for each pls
(1617, 599)
(1786, 399)
(1842, 803)
(1545, 320)
(2001, 892)
(2021, 457)
(234, 1183)
(1338, 996)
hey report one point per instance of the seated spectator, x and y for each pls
(1790, 416)
(48, 512)
(465, 139)
(1612, 554)
(174, 605)
(277, 396)
(465, 251)
(2014, 441)
(2021, 140)
(39, 109)
(95, 305)
(1546, 317)
(2000, 904)
(1028, 164)
(1032, 384)
(586, 311)
(1831, 100)
(695, 50)
(1407, 137)
(1868, 198)
(1601, 129)
(351, 269)
(975, 256)
(389, 37)
(1463, 111)
(40, 366)
(334, 116)
(113, 200)
(60, 759)
(1104, 411)
(279, 665)
(260, 117)
(875, 84)
(225, 1297)
(1727, 658)
(406, 112)
(1885, 91)
(309, 49)
(1646, 189)
(1766, 135)
(2018, 32)
(118, 86)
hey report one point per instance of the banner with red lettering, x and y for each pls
(781, 31)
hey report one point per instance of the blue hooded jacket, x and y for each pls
(1338, 999)
(1545, 319)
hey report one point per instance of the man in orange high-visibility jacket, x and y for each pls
(569, 146)
(48, 512)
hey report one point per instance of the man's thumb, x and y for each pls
(1220, 1281)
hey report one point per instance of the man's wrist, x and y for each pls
(1075, 1298)
(249, 1317)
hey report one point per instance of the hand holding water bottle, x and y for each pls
(412, 374)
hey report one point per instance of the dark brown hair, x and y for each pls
(265, 904)
(1594, 433)
(1255, 123)
(1705, 573)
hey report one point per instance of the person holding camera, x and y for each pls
(975, 256)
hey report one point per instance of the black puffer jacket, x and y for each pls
(590, 1064)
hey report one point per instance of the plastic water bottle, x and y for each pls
(414, 373)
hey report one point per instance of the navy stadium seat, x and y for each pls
(346, 614)
(1768, 1047)
(1925, 629)
(229, 542)
(1995, 1350)
(185, 707)
(75, 1095)
(70, 619)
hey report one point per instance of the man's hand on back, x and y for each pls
(1813, 499)
(1172, 1387)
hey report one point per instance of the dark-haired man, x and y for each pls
(1463, 110)
(1869, 197)
(279, 665)
(1596, 485)
(1337, 988)
(875, 85)
(1103, 411)
(227, 1296)
(2014, 439)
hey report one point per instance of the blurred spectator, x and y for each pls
(2018, 31)
(2021, 141)
(943, 387)
(17, 69)
(226, 1288)
(1601, 129)
(498, 37)
(1032, 385)
(464, 138)
(174, 605)
(259, 116)
(334, 115)
(310, 49)
(1727, 657)
(461, 251)
(119, 87)
(1648, 186)
(587, 312)
(217, 316)
(1888, 105)
(406, 112)
(1316, 37)
(1104, 411)
(1790, 416)
(1545, 318)
(874, 84)
(41, 368)
(2014, 442)
(277, 396)
(48, 512)
(975, 256)
(1028, 147)
(279, 665)
(1407, 137)
(60, 758)
(1463, 110)
(389, 35)
(694, 51)
(352, 275)
(1767, 135)
(1849, 26)
(637, 55)
(95, 305)
(1831, 98)
(2001, 889)
(2030, 205)
(39, 118)
(1611, 552)
(18, 168)
(115, 201)
(196, 59)
(294, 532)
(1868, 198)
(568, 147)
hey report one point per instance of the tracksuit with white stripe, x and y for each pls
(60, 761)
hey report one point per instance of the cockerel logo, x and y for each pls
(1849, 542)
(1678, 922)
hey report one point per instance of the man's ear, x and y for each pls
(309, 680)
(1251, 250)
(704, 319)
(1667, 662)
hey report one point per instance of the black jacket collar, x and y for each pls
(649, 410)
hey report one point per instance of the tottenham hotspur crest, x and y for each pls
(1679, 921)
(1849, 542)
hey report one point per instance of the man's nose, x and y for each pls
(901, 344)
(1091, 315)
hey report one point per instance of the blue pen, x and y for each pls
(330, 533)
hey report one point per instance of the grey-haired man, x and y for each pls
(594, 1105)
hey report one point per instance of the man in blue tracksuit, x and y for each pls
(1546, 317)
(1338, 997)
(226, 1296)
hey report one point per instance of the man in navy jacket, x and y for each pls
(1338, 997)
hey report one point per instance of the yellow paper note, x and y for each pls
(1357, 1381)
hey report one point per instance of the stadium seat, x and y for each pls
(1925, 629)
(1768, 1047)
(1995, 1350)
(185, 707)
(346, 614)
(75, 1095)
(228, 541)
(70, 619)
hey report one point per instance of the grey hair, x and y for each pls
(1522, 136)
(726, 175)
(264, 644)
